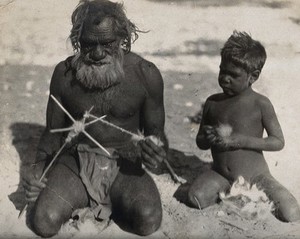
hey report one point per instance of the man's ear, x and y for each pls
(254, 76)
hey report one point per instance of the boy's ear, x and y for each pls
(254, 76)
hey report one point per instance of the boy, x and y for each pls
(238, 150)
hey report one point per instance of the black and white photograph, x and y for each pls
(150, 119)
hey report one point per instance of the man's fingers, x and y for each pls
(157, 149)
(148, 161)
(153, 151)
(35, 184)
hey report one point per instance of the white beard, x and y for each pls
(100, 77)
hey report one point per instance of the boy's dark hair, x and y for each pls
(243, 51)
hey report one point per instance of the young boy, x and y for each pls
(232, 127)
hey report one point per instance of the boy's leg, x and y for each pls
(287, 208)
(64, 193)
(136, 203)
(205, 190)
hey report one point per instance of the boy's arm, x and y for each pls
(201, 139)
(273, 142)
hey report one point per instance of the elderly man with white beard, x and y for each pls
(105, 77)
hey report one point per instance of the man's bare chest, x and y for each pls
(121, 101)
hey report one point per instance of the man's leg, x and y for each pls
(64, 193)
(205, 190)
(287, 208)
(136, 203)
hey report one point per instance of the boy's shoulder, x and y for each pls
(216, 97)
(258, 98)
(261, 99)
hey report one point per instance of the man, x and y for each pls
(107, 79)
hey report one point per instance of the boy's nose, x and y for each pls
(225, 79)
(98, 54)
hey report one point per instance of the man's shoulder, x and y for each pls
(133, 59)
(64, 65)
(61, 73)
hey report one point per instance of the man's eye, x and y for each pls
(108, 44)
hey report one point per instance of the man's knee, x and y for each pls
(46, 223)
(146, 218)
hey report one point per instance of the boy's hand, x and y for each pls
(232, 142)
(210, 134)
(152, 152)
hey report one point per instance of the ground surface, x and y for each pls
(183, 41)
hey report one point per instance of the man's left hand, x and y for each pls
(152, 154)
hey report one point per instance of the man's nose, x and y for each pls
(98, 54)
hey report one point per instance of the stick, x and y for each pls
(99, 145)
(198, 203)
(233, 225)
(60, 105)
(176, 178)
(139, 137)
(74, 121)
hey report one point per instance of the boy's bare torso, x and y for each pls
(243, 114)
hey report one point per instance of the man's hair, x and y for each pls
(124, 27)
(243, 51)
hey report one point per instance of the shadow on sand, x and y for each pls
(25, 139)
(228, 3)
(198, 47)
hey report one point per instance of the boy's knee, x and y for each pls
(200, 199)
(146, 218)
(46, 223)
(289, 211)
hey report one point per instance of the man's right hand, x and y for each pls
(33, 187)
(32, 183)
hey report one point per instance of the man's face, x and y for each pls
(233, 79)
(100, 62)
(99, 51)
(99, 42)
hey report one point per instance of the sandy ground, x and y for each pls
(183, 41)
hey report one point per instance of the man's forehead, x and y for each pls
(99, 28)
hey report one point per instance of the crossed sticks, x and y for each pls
(79, 127)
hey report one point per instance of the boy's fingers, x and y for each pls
(211, 138)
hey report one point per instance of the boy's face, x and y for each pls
(233, 79)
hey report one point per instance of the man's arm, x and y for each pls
(49, 142)
(153, 115)
(55, 117)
